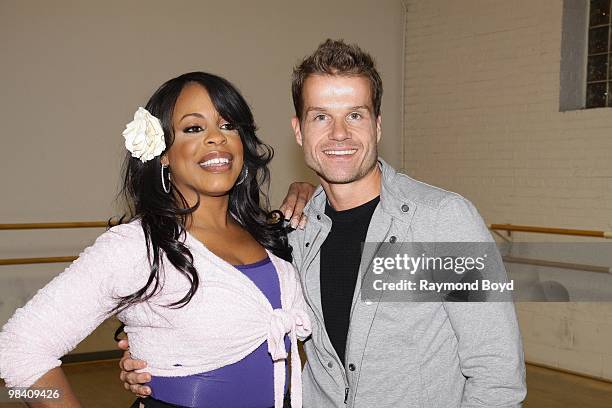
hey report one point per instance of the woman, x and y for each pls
(199, 276)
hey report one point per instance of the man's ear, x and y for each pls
(378, 128)
(297, 130)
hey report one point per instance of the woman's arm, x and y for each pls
(67, 310)
(55, 380)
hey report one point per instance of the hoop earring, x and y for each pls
(163, 179)
(246, 173)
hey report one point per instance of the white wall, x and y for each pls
(72, 74)
(482, 118)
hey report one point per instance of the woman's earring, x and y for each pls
(246, 173)
(163, 179)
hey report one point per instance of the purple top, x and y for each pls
(248, 383)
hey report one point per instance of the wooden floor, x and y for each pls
(97, 386)
(552, 389)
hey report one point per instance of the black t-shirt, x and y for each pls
(340, 258)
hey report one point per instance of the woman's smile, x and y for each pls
(217, 162)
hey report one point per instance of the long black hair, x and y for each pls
(164, 216)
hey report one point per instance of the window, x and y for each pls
(574, 41)
(599, 77)
(586, 55)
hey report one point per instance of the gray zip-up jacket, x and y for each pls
(408, 354)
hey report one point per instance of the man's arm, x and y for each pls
(489, 341)
(490, 353)
(131, 380)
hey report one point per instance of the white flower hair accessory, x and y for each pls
(144, 136)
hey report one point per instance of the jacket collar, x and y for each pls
(393, 201)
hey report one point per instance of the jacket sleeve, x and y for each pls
(489, 341)
(67, 309)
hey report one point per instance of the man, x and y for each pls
(382, 354)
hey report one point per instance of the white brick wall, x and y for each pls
(482, 119)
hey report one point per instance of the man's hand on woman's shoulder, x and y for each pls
(293, 205)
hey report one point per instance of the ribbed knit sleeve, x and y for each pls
(71, 306)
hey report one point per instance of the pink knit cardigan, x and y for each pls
(228, 317)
